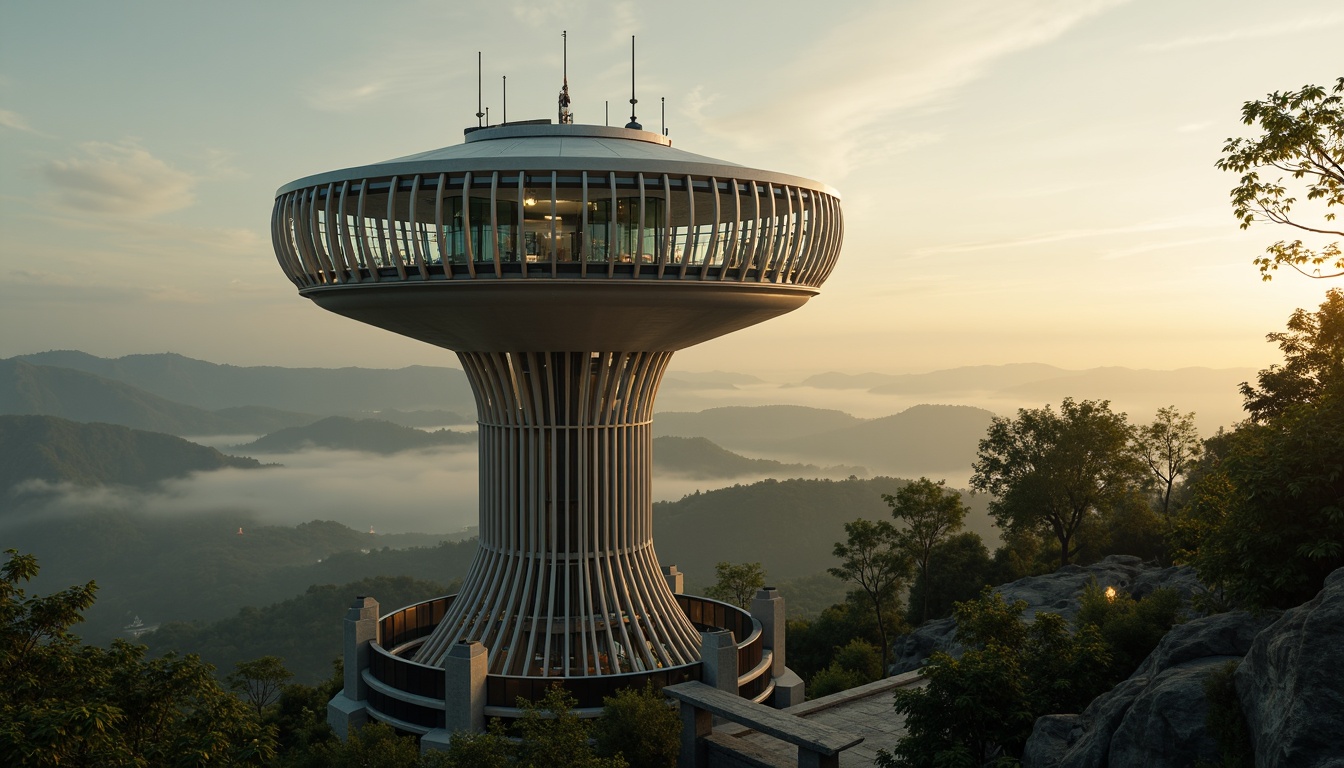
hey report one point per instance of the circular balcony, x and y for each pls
(529, 235)
(410, 695)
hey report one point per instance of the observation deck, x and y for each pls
(588, 232)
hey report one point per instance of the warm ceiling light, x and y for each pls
(529, 201)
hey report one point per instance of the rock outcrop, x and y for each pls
(1056, 592)
(1291, 684)
(1156, 717)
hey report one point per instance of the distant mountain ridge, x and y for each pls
(58, 450)
(309, 390)
(698, 457)
(28, 389)
(925, 438)
(369, 435)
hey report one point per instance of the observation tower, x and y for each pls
(564, 264)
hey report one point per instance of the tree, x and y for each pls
(960, 567)
(1313, 353)
(1049, 471)
(551, 733)
(1302, 136)
(259, 681)
(930, 513)
(1169, 446)
(1267, 515)
(872, 559)
(639, 726)
(737, 584)
(981, 707)
(71, 704)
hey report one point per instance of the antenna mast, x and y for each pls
(479, 113)
(506, 101)
(566, 117)
(634, 121)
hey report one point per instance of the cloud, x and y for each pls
(122, 179)
(844, 98)
(15, 121)
(1255, 32)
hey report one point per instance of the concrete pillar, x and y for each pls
(718, 660)
(768, 608)
(464, 673)
(347, 709)
(696, 724)
(675, 579)
(361, 628)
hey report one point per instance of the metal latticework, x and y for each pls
(566, 582)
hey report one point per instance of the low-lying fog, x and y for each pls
(435, 491)
(410, 492)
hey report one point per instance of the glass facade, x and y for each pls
(556, 223)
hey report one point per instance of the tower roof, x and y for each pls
(544, 147)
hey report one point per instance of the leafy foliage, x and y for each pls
(72, 704)
(813, 643)
(1169, 446)
(981, 707)
(551, 733)
(1303, 137)
(930, 513)
(1266, 518)
(737, 583)
(1313, 353)
(856, 663)
(1131, 628)
(1050, 471)
(960, 567)
(259, 681)
(639, 726)
(873, 559)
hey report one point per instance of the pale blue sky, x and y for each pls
(1022, 181)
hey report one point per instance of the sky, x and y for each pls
(1021, 181)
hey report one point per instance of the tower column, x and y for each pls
(567, 582)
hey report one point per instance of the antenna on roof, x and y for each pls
(487, 117)
(606, 113)
(634, 121)
(663, 100)
(479, 113)
(506, 101)
(566, 117)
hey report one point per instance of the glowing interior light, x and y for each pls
(1110, 594)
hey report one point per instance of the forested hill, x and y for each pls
(310, 390)
(789, 526)
(924, 439)
(27, 389)
(370, 435)
(701, 458)
(57, 450)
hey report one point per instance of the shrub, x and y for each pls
(641, 727)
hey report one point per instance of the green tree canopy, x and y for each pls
(930, 512)
(873, 559)
(1302, 136)
(1266, 518)
(1048, 471)
(736, 583)
(1313, 360)
(64, 703)
(1169, 446)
